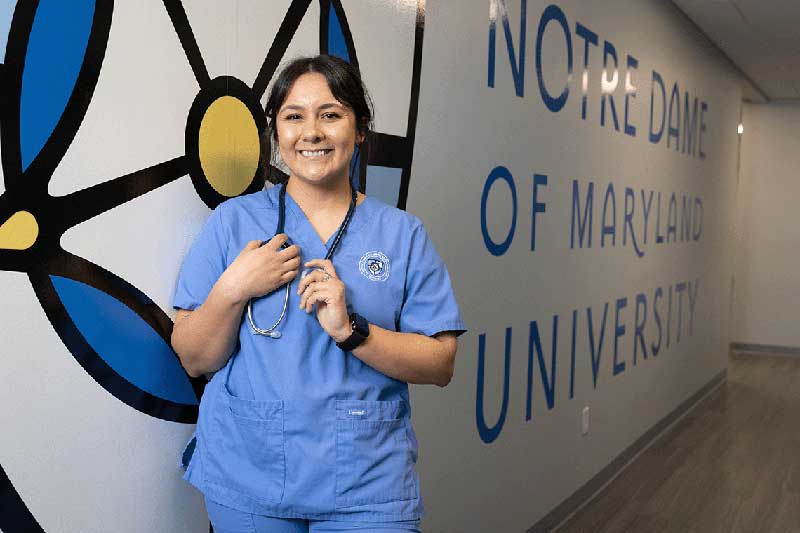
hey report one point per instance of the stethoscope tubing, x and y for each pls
(269, 332)
(272, 332)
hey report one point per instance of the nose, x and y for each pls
(312, 132)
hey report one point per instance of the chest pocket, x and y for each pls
(374, 463)
(244, 449)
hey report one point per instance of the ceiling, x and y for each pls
(761, 37)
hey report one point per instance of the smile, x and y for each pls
(315, 153)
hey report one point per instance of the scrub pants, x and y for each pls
(227, 520)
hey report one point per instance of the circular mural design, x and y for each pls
(101, 318)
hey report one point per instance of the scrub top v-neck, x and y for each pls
(295, 427)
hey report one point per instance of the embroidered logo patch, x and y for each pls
(374, 266)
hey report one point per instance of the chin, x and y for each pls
(317, 178)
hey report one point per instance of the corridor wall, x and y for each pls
(767, 282)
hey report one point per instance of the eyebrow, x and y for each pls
(300, 108)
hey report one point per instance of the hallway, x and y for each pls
(732, 464)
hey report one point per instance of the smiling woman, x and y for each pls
(316, 134)
(308, 428)
(313, 94)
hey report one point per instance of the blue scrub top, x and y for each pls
(295, 427)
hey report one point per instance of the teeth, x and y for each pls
(309, 153)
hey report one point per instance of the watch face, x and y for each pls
(360, 325)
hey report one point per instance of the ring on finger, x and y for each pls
(314, 269)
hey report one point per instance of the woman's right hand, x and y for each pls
(259, 270)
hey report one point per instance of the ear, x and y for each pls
(360, 137)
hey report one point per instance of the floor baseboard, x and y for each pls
(766, 349)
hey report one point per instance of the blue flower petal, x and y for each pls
(56, 48)
(125, 342)
(337, 46)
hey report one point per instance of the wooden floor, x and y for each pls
(732, 464)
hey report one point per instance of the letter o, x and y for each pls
(499, 172)
(553, 12)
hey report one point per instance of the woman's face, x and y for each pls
(316, 132)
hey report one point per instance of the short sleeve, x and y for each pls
(203, 265)
(429, 304)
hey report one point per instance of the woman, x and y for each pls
(307, 425)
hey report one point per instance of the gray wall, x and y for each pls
(468, 128)
(767, 280)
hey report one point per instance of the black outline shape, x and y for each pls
(16, 46)
(85, 355)
(55, 215)
(92, 201)
(324, 23)
(413, 106)
(49, 157)
(15, 517)
(280, 43)
(384, 149)
(324, 29)
(183, 29)
(215, 89)
(388, 150)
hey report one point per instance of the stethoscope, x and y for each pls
(272, 332)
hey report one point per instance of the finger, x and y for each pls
(309, 304)
(305, 279)
(306, 288)
(317, 296)
(323, 295)
(251, 245)
(307, 292)
(314, 276)
(291, 264)
(325, 264)
(277, 241)
(288, 253)
(286, 277)
(314, 291)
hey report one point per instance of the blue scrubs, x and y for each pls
(295, 427)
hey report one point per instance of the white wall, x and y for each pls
(767, 281)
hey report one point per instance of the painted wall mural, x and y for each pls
(53, 60)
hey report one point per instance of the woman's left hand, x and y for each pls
(323, 287)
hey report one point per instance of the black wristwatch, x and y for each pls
(358, 336)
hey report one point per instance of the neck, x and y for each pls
(320, 198)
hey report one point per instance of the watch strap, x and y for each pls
(357, 337)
